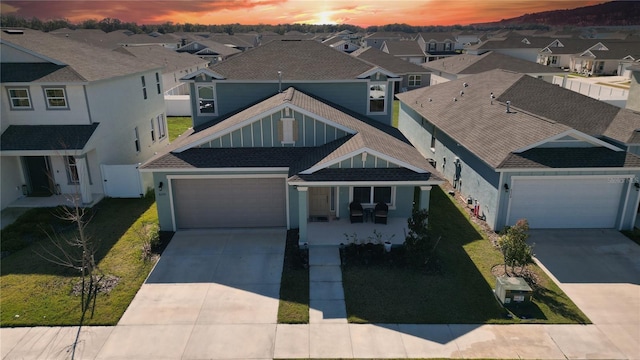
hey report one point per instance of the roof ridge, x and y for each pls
(288, 94)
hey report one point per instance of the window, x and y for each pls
(56, 98)
(72, 170)
(433, 140)
(377, 95)
(136, 139)
(153, 132)
(19, 98)
(158, 83)
(370, 195)
(206, 100)
(554, 60)
(346, 46)
(162, 127)
(415, 80)
(447, 46)
(144, 87)
(432, 47)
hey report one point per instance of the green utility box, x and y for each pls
(513, 290)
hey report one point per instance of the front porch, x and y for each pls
(54, 200)
(333, 232)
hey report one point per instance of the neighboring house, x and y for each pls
(212, 51)
(269, 151)
(519, 147)
(378, 38)
(69, 110)
(437, 45)
(525, 48)
(156, 39)
(461, 66)
(406, 50)
(413, 76)
(174, 64)
(94, 37)
(608, 58)
(241, 42)
(339, 43)
(467, 38)
(560, 52)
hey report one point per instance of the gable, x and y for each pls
(364, 160)
(270, 130)
(570, 139)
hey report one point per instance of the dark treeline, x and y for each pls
(108, 25)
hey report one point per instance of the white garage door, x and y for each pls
(237, 202)
(566, 203)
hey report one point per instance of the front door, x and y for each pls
(319, 201)
(38, 175)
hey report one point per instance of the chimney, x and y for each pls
(508, 107)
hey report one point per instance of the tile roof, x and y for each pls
(387, 61)
(168, 59)
(89, 62)
(298, 60)
(403, 48)
(37, 72)
(46, 137)
(539, 110)
(563, 158)
(475, 64)
(365, 136)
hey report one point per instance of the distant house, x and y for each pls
(561, 52)
(378, 38)
(406, 50)
(464, 65)
(212, 51)
(341, 44)
(413, 76)
(518, 46)
(609, 58)
(305, 137)
(70, 112)
(163, 40)
(518, 147)
(437, 45)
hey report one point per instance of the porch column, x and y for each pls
(303, 196)
(83, 176)
(425, 194)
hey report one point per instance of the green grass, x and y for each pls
(461, 294)
(294, 289)
(36, 292)
(177, 125)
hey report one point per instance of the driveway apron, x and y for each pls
(600, 271)
(210, 291)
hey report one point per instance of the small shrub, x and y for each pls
(419, 244)
(514, 247)
(150, 235)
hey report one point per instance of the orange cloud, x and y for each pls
(356, 12)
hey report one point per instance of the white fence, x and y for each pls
(125, 181)
(596, 91)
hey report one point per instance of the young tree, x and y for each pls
(420, 246)
(514, 247)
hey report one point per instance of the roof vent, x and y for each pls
(430, 99)
(492, 97)
(14, 31)
(465, 85)
(508, 107)
(455, 99)
(461, 93)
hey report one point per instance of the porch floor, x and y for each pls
(332, 232)
(52, 201)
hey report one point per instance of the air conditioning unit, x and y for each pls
(510, 290)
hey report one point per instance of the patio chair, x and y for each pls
(356, 213)
(380, 213)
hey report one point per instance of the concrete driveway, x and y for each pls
(600, 271)
(210, 291)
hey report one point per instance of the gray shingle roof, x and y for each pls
(475, 64)
(562, 158)
(403, 48)
(372, 174)
(298, 60)
(89, 62)
(229, 158)
(37, 72)
(46, 137)
(515, 42)
(618, 50)
(387, 61)
(437, 36)
(168, 59)
(572, 46)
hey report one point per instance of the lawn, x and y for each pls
(294, 289)
(396, 113)
(177, 125)
(36, 292)
(461, 293)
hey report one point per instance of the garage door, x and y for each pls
(238, 202)
(566, 203)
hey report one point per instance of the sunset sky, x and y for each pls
(356, 12)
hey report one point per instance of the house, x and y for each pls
(437, 45)
(155, 39)
(413, 76)
(70, 111)
(376, 39)
(464, 65)
(406, 50)
(518, 147)
(212, 51)
(341, 44)
(271, 149)
(518, 46)
(609, 58)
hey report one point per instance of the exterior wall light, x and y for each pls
(506, 187)
(160, 185)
